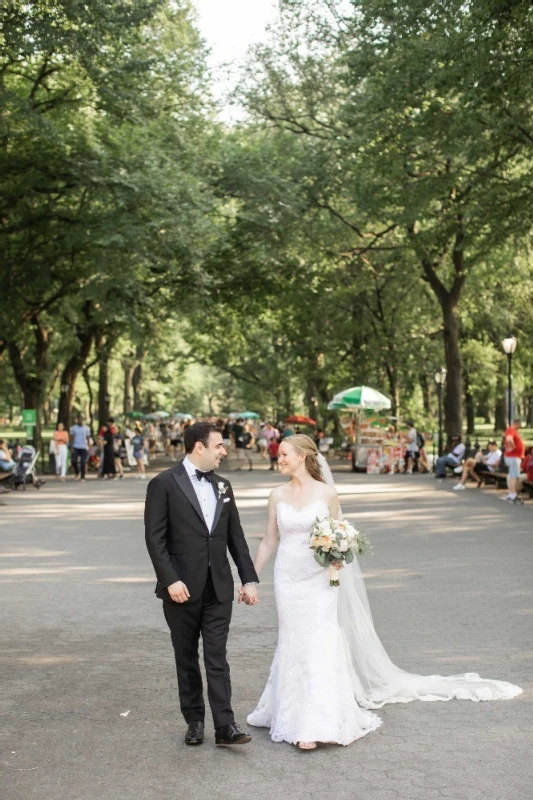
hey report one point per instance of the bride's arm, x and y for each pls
(334, 506)
(332, 499)
(269, 541)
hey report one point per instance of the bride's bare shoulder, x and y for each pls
(275, 494)
(329, 492)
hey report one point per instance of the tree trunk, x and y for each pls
(311, 399)
(287, 401)
(470, 411)
(137, 379)
(69, 376)
(453, 388)
(136, 382)
(103, 388)
(426, 393)
(529, 415)
(500, 421)
(483, 410)
(128, 375)
(394, 389)
(47, 412)
(87, 379)
(449, 301)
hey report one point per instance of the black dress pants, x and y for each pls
(211, 619)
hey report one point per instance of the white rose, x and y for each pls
(343, 546)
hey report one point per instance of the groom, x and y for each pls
(191, 520)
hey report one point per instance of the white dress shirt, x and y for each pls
(205, 492)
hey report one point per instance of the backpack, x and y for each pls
(420, 440)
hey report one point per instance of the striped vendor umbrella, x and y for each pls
(359, 397)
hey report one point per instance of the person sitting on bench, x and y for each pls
(7, 464)
(451, 459)
(476, 468)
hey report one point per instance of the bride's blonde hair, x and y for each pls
(305, 446)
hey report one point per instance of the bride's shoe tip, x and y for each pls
(307, 745)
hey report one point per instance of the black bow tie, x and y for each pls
(207, 475)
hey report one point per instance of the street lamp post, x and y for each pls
(509, 346)
(440, 379)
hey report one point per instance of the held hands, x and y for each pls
(178, 592)
(248, 594)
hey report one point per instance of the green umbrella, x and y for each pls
(136, 414)
(249, 415)
(359, 397)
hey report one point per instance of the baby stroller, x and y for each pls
(25, 471)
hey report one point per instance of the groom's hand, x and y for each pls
(178, 592)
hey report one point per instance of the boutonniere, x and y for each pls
(222, 489)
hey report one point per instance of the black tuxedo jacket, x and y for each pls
(179, 543)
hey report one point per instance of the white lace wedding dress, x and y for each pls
(330, 667)
(309, 696)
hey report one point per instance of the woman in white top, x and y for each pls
(412, 447)
(475, 467)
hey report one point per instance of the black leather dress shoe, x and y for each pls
(195, 733)
(230, 734)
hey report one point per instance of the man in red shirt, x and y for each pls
(514, 453)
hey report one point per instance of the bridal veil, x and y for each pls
(376, 680)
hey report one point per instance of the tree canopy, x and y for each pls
(366, 221)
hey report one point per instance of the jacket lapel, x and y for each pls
(182, 479)
(220, 502)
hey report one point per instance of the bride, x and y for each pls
(330, 668)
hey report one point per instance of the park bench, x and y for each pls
(5, 476)
(500, 479)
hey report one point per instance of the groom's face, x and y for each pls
(211, 455)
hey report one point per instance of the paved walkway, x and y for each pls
(84, 643)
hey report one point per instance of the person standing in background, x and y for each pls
(152, 441)
(270, 433)
(119, 451)
(514, 450)
(79, 442)
(248, 443)
(273, 451)
(61, 450)
(108, 452)
(262, 443)
(412, 447)
(139, 450)
(237, 432)
(175, 440)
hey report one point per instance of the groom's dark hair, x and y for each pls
(198, 432)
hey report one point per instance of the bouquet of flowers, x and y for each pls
(335, 541)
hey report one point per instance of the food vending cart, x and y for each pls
(375, 444)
